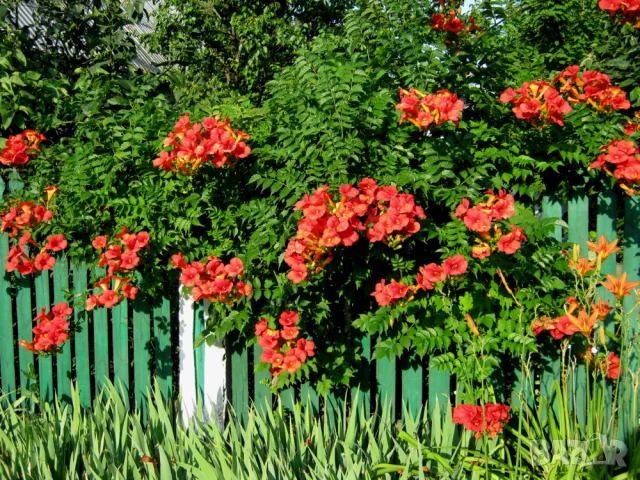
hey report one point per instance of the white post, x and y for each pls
(215, 372)
(215, 375)
(187, 377)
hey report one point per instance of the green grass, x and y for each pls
(108, 442)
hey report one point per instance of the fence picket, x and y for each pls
(101, 339)
(198, 354)
(578, 220)
(261, 393)
(288, 398)
(141, 352)
(45, 364)
(7, 361)
(631, 264)
(25, 324)
(83, 374)
(63, 359)
(551, 208)
(411, 384)
(439, 388)
(309, 396)
(361, 394)
(163, 345)
(386, 379)
(240, 379)
(606, 225)
(120, 327)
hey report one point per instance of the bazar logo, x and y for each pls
(575, 452)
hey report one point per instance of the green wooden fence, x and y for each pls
(137, 341)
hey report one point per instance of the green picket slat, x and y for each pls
(163, 349)
(261, 393)
(83, 372)
(606, 225)
(578, 215)
(411, 384)
(63, 359)
(45, 364)
(25, 325)
(386, 380)
(101, 339)
(120, 325)
(7, 352)
(361, 393)
(309, 396)
(141, 352)
(198, 354)
(240, 379)
(439, 388)
(551, 365)
(288, 398)
(631, 264)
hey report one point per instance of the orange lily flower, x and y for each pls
(582, 266)
(584, 322)
(573, 305)
(619, 286)
(602, 248)
(602, 308)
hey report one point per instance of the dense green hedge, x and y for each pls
(319, 114)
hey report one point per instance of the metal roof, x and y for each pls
(22, 17)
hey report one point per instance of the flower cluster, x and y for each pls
(589, 321)
(51, 331)
(485, 217)
(628, 9)
(623, 156)
(541, 103)
(575, 320)
(193, 145)
(488, 419)
(25, 217)
(426, 110)
(537, 102)
(283, 349)
(387, 216)
(213, 280)
(452, 23)
(430, 275)
(592, 87)
(121, 257)
(393, 293)
(632, 125)
(21, 148)
(609, 365)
